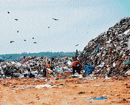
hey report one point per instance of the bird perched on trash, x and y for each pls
(35, 42)
(32, 37)
(76, 44)
(11, 41)
(55, 19)
(8, 12)
(24, 40)
(16, 19)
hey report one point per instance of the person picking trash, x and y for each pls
(44, 68)
(52, 65)
(76, 65)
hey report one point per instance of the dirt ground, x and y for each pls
(64, 91)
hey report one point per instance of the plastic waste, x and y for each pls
(99, 98)
(81, 93)
(87, 98)
(40, 86)
(90, 101)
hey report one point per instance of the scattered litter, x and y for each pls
(46, 85)
(13, 86)
(99, 98)
(87, 98)
(90, 101)
(106, 77)
(96, 85)
(22, 88)
(30, 87)
(57, 79)
(81, 93)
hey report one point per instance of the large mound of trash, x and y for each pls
(34, 67)
(109, 53)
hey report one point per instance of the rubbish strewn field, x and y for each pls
(60, 91)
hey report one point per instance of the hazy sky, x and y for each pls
(79, 22)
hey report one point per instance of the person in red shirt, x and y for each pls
(76, 65)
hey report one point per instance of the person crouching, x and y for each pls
(76, 65)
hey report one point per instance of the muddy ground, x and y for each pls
(69, 91)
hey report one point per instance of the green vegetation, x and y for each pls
(18, 57)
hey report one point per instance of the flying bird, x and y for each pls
(11, 41)
(55, 19)
(32, 37)
(48, 27)
(17, 31)
(24, 40)
(16, 19)
(76, 44)
(35, 42)
(8, 12)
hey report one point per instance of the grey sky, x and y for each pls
(79, 22)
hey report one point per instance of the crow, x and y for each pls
(11, 41)
(16, 19)
(55, 19)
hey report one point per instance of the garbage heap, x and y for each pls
(110, 51)
(33, 67)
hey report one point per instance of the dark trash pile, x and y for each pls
(35, 67)
(109, 53)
